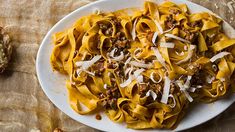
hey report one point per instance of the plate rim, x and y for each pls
(48, 35)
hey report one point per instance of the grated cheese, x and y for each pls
(159, 56)
(167, 45)
(136, 75)
(218, 56)
(152, 94)
(159, 26)
(86, 64)
(166, 90)
(176, 37)
(105, 86)
(140, 64)
(118, 58)
(127, 82)
(154, 38)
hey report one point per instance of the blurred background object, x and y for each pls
(5, 50)
(23, 105)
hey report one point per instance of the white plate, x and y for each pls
(53, 83)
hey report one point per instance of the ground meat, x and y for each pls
(99, 68)
(190, 36)
(109, 31)
(193, 68)
(111, 65)
(157, 88)
(120, 41)
(111, 95)
(98, 117)
(103, 26)
(143, 88)
(106, 29)
(116, 22)
(174, 11)
(172, 88)
(170, 22)
(195, 24)
(121, 44)
(199, 78)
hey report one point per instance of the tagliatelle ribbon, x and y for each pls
(194, 39)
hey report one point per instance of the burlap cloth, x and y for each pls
(23, 105)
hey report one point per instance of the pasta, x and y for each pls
(146, 68)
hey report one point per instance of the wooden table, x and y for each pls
(23, 105)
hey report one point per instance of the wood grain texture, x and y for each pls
(23, 105)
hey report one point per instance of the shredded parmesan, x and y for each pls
(78, 71)
(128, 70)
(127, 61)
(218, 56)
(158, 26)
(138, 72)
(90, 73)
(210, 79)
(115, 58)
(152, 94)
(198, 86)
(127, 82)
(184, 91)
(86, 64)
(176, 37)
(167, 45)
(159, 56)
(222, 79)
(192, 89)
(133, 33)
(154, 38)
(139, 64)
(187, 83)
(84, 55)
(188, 96)
(119, 58)
(166, 90)
(140, 79)
(112, 52)
(136, 75)
(105, 86)
(152, 78)
(189, 56)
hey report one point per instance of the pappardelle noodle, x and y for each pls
(144, 67)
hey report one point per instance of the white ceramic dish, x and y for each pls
(53, 83)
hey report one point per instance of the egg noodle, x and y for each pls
(144, 67)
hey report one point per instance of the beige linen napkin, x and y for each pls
(23, 105)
